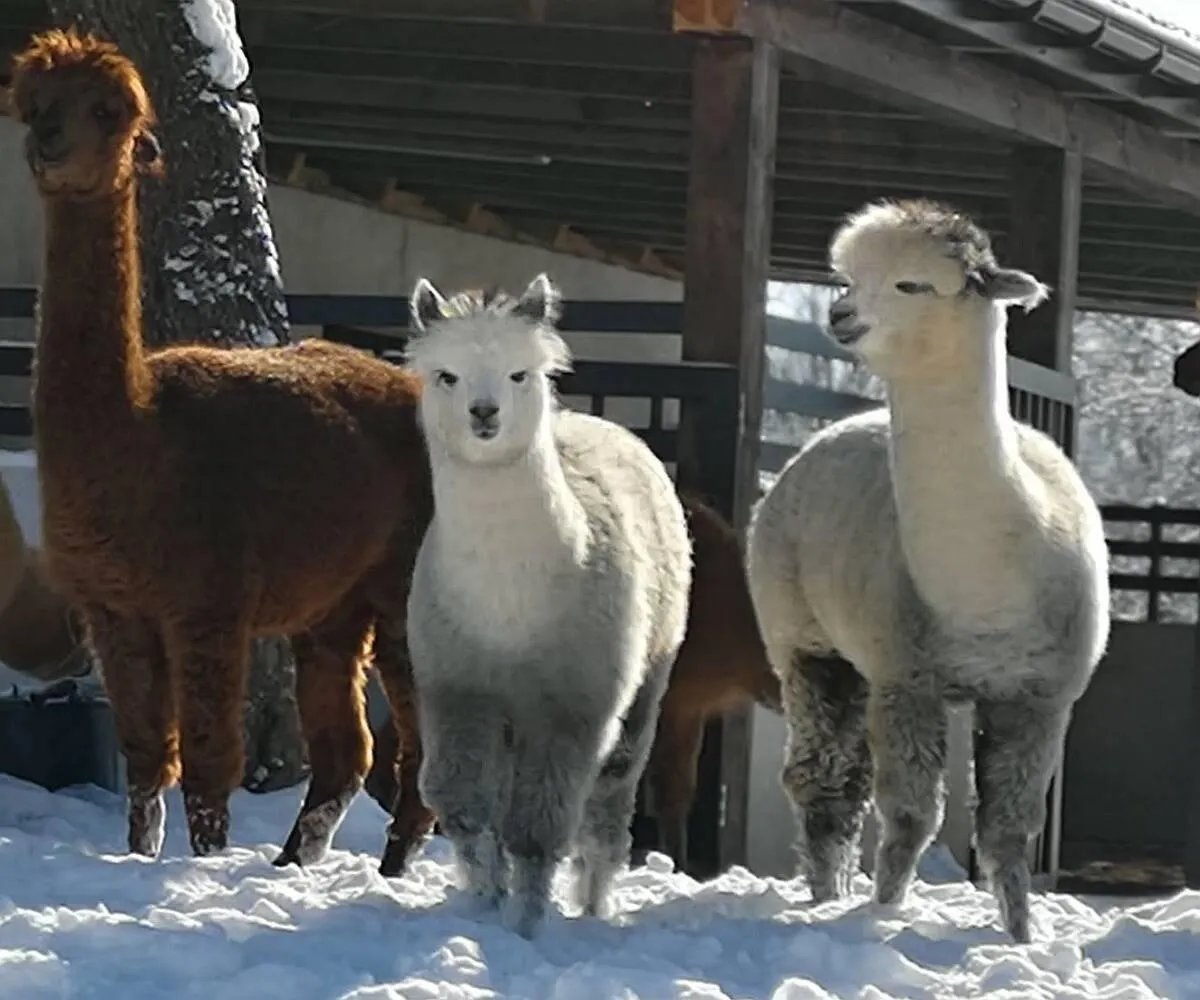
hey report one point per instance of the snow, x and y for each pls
(1176, 21)
(80, 919)
(214, 23)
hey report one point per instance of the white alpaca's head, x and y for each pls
(486, 360)
(925, 289)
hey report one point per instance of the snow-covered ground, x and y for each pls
(79, 919)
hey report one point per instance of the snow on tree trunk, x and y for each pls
(210, 267)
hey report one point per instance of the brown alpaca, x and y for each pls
(196, 497)
(721, 666)
(39, 631)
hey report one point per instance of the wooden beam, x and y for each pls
(910, 70)
(1043, 238)
(648, 83)
(735, 88)
(647, 14)
(592, 46)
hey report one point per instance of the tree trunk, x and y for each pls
(210, 269)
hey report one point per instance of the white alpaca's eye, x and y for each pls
(519, 377)
(913, 287)
(447, 380)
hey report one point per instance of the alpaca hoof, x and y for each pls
(395, 859)
(147, 825)
(524, 915)
(399, 850)
(208, 826)
(285, 858)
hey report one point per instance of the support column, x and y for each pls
(1043, 238)
(735, 96)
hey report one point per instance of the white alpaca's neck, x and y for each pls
(962, 492)
(506, 538)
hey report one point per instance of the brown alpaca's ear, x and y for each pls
(147, 153)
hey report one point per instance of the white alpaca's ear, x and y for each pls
(424, 305)
(1010, 286)
(541, 302)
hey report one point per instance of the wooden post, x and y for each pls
(735, 95)
(1043, 238)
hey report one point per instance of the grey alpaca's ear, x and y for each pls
(1010, 286)
(540, 302)
(425, 305)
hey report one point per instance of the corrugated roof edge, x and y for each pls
(1154, 24)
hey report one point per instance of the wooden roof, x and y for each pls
(567, 122)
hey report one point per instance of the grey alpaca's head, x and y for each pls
(486, 359)
(924, 286)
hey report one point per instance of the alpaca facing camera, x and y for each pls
(547, 607)
(89, 119)
(929, 552)
(133, 444)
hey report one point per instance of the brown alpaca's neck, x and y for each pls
(90, 365)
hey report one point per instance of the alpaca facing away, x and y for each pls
(194, 498)
(40, 635)
(547, 605)
(946, 551)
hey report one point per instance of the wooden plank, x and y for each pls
(805, 337)
(735, 102)
(917, 72)
(647, 14)
(1043, 238)
(814, 401)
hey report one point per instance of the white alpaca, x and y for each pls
(548, 602)
(944, 550)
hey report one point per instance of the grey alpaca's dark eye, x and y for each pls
(913, 287)
(519, 377)
(447, 379)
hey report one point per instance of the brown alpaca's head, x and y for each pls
(90, 121)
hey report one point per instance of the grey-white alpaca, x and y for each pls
(947, 552)
(548, 603)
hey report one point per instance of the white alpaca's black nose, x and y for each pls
(840, 311)
(483, 412)
(844, 323)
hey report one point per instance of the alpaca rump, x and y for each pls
(548, 603)
(194, 498)
(39, 634)
(946, 551)
(721, 666)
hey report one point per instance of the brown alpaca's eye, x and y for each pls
(104, 114)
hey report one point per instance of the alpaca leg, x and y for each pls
(555, 764)
(604, 839)
(467, 746)
(1017, 746)
(672, 770)
(412, 820)
(330, 678)
(138, 685)
(209, 661)
(827, 768)
(907, 731)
